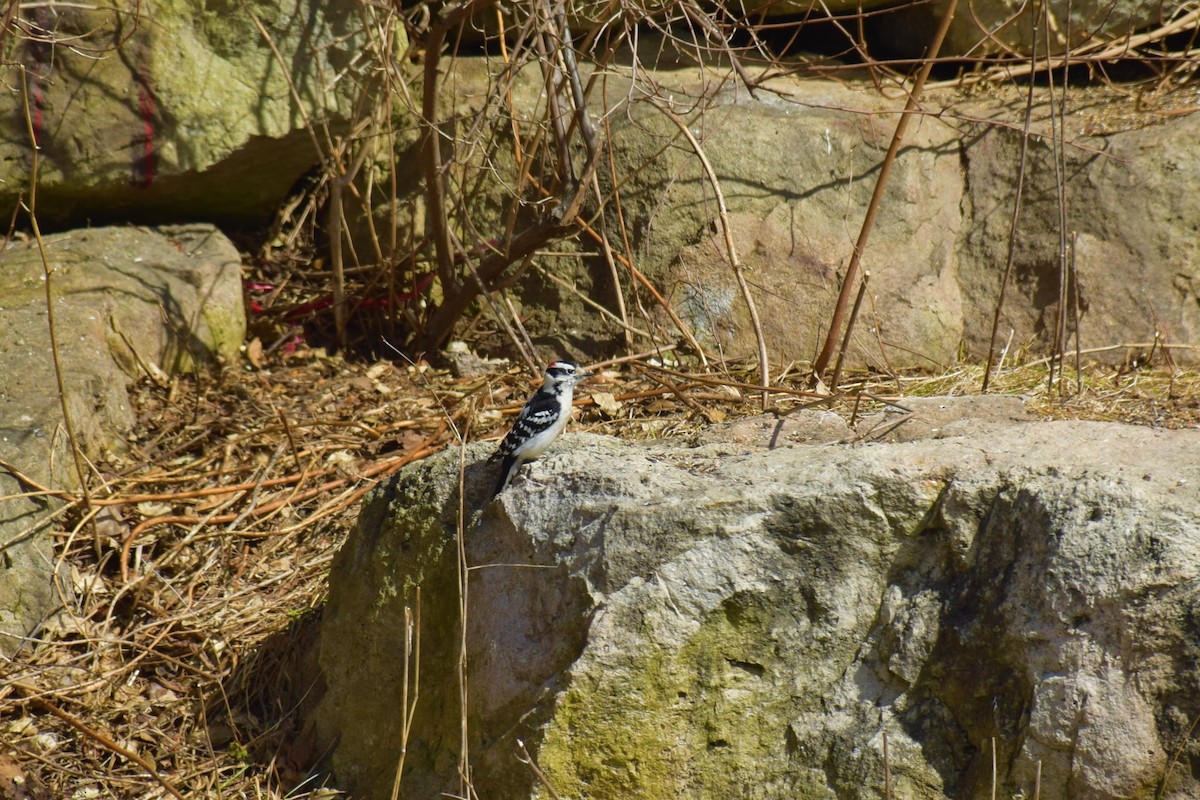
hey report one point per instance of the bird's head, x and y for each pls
(563, 374)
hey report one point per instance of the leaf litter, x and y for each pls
(193, 586)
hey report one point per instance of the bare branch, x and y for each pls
(914, 97)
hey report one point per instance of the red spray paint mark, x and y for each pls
(143, 162)
(421, 284)
(39, 110)
(40, 51)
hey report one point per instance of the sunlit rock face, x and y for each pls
(657, 620)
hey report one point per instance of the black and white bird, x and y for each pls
(540, 421)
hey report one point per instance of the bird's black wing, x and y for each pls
(538, 414)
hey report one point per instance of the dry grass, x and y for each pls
(178, 653)
(1156, 396)
(172, 670)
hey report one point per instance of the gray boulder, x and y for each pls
(798, 169)
(173, 111)
(797, 172)
(126, 302)
(1130, 198)
(660, 621)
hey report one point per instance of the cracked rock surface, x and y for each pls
(655, 620)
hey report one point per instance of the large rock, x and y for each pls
(989, 27)
(1130, 202)
(797, 174)
(174, 110)
(126, 302)
(657, 621)
(798, 168)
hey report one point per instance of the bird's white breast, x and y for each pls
(538, 443)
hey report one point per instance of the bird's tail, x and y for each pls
(507, 468)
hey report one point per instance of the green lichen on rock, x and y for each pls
(403, 554)
(411, 552)
(618, 736)
(736, 707)
(707, 717)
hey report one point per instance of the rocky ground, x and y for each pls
(196, 562)
(206, 558)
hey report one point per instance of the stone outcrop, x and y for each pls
(172, 111)
(1128, 201)
(127, 302)
(798, 169)
(657, 620)
(1008, 26)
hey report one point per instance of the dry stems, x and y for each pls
(183, 665)
(215, 531)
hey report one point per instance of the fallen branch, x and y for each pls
(382, 468)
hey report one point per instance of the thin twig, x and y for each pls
(464, 752)
(1179, 751)
(553, 82)
(712, 380)
(337, 267)
(887, 769)
(1073, 276)
(837, 367)
(587, 301)
(1016, 216)
(1058, 156)
(38, 488)
(412, 663)
(694, 12)
(435, 186)
(679, 391)
(635, 357)
(764, 365)
(994, 769)
(526, 759)
(51, 317)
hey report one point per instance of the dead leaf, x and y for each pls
(209, 503)
(607, 403)
(16, 785)
(254, 353)
(151, 508)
